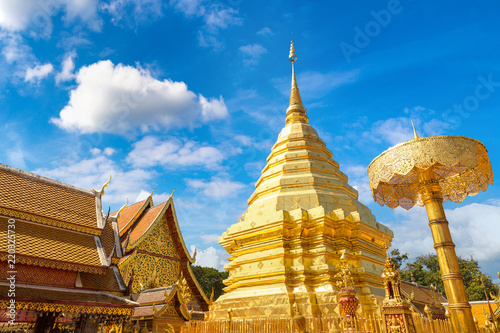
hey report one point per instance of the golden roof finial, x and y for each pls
(296, 111)
(121, 209)
(415, 135)
(105, 185)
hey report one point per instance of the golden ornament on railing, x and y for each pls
(461, 167)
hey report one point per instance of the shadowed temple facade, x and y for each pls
(302, 214)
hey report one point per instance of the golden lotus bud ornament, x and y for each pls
(425, 172)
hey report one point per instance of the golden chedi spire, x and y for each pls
(296, 110)
(286, 245)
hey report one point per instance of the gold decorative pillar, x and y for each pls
(445, 249)
(426, 172)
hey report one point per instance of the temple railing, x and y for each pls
(363, 323)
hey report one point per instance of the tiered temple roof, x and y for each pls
(65, 253)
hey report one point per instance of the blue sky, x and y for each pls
(191, 95)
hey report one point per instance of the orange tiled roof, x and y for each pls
(108, 239)
(149, 217)
(422, 294)
(156, 295)
(130, 213)
(26, 192)
(59, 245)
(106, 282)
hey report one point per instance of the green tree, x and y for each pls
(397, 258)
(425, 270)
(209, 278)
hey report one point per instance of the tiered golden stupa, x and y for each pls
(303, 213)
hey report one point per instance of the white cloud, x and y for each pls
(36, 15)
(189, 7)
(474, 228)
(265, 31)
(84, 10)
(207, 40)
(173, 153)
(38, 72)
(358, 178)
(217, 187)
(68, 66)
(252, 53)
(93, 172)
(215, 16)
(254, 169)
(397, 130)
(213, 108)
(15, 15)
(12, 145)
(211, 257)
(393, 130)
(132, 12)
(14, 49)
(120, 99)
(108, 151)
(212, 238)
(157, 198)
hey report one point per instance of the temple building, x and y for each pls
(76, 269)
(419, 296)
(63, 260)
(156, 266)
(302, 214)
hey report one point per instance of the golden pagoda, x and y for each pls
(301, 217)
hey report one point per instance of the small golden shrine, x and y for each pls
(396, 312)
(156, 266)
(286, 245)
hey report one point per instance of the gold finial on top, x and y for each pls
(292, 56)
(414, 131)
(296, 111)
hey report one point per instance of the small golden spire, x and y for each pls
(414, 131)
(296, 110)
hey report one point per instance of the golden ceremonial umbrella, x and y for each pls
(425, 172)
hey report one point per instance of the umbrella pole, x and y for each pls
(459, 306)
